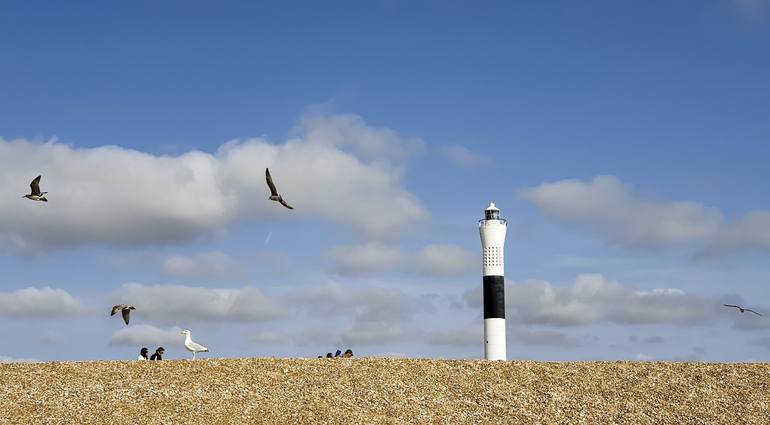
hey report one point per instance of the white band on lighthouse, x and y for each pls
(492, 230)
(494, 339)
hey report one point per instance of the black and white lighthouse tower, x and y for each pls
(492, 230)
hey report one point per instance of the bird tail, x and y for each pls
(43, 199)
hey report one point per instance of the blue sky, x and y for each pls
(625, 142)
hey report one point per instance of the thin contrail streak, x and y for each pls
(267, 239)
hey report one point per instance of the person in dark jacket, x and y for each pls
(348, 353)
(158, 354)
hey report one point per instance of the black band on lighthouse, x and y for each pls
(494, 297)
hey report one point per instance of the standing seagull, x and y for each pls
(36, 195)
(191, 345)
(274, 196)
(124, 309)
(743, 310)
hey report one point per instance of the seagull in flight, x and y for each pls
(124, 309)
(742, 309)
(191, 345)
(274, 196)
(36, 195)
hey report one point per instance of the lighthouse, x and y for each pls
(492, 230)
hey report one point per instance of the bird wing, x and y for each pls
(126, 312)
(285, 204)
(270, 183)
(35, 186)
(194, 346)
(730, 305)
(116, 308)
(748, 309)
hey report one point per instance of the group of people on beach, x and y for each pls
(157, 356)
(348, 353)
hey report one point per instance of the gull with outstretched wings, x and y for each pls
(36, 194)
(124, 309)
(274, 196)
(742, 309)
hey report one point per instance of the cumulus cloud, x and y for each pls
(516, 334)
(435, 260)
(176, 303)
(445, 260)
(464, 157)
(613, 209)
(593, 298)
(349, 131)
(348, 173)
(48, 303)
(140, 335)
(212, 265)
(653, 339)
(9, 359)
(370, 303)
(367, 258)
(752, 322)
(269, 338)
(380, 314)
(749, 232)
(374, 333)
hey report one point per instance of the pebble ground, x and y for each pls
(389, 391)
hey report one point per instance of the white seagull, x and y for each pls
(191, 345)
(35, 193)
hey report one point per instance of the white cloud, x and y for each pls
(518, 334)
(465, 157)
(214, 265)
(45, 302)
(611, 208)
(350, 131)
(114, 196)
(372, 304)
(177, 304)
(380, 315)
(8, 359)
(749, 232)
(374, 333)
(147, 335)
(267, 337)
(371, 257)
(593, 298)
(446, 260)
(473, 335)
(468, 336)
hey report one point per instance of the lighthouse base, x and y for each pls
(494, 339)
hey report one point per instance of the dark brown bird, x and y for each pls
(35, 194)
(743, 310)
(274, 196)
(124, 309)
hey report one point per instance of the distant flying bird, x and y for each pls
(743, 310)
(36, 195)
(274, 196)
(191, 345)
(124, 309)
